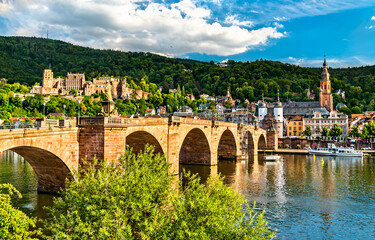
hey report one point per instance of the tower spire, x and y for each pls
(325, 60)
(278, 96)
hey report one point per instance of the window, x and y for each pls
(290, 128)
(294, 128)
(299, 128)
(294, 123)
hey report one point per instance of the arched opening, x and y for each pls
(51, 171)
(227, 146)
(138, 140)
(195, 148)
(248, 144)
(262, 143)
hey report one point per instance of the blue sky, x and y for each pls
(298, 32)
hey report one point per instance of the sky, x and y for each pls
(294, 31)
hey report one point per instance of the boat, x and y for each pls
(272, 158)
(332, 150)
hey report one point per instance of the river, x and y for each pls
(304, 198)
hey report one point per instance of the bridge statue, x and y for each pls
(108, 91)
(108, 106)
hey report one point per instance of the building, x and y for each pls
(317, 120)
(294, 127)
(243, 117)
(189, 96)
(271, 115)
(325, 94)
(292, 109)
(229, 98)
(207, 97)
(55, 86)
(73, 81)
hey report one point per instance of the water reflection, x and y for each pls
(307, 198)
(15, 170)
(304, 198)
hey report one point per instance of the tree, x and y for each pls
(325, 132)
(307, 131)
(335, 131)
(135, 198)
(356, 110)
(354, 132)
(345, 110)
(227, 104)
(14, 224)
(73, 92)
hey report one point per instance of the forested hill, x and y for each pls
(23, 59)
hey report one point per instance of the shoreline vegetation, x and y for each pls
(137, 197)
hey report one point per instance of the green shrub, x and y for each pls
(138, 198)
(14, 224)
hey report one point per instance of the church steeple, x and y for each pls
(325, 95)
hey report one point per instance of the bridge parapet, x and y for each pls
(120, 122)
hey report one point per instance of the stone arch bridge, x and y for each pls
(55, 152)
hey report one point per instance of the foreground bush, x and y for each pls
(137, 198)
(14, 224)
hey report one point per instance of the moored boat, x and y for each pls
(272, 158)
(336, 151)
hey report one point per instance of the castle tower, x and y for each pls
(325, 94)
(47, 78)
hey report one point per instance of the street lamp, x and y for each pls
(64, 109)
(44, 110)
(79, 103)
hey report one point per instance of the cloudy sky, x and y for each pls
(294, 31)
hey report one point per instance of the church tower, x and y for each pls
(325, 94)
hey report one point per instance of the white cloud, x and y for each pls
(373, 18)
(292, 9)
(132, 25)
(332, 62)
(279, 19)
(233, 20)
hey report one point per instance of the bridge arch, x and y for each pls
(195, 148)
(227, 147)
(248, 143)
(137, 141)
(50, 169)
(262, 143)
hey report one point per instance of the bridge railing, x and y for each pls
(19, 125)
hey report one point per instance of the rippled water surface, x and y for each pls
(329, 198)
(325, 198)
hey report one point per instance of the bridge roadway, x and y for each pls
(55, 152)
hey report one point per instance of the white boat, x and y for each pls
(272, 158)
(332, 150)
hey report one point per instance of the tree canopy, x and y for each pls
(138, 198)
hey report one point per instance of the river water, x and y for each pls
(304, 198)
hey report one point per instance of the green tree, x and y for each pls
(354, 132)
(14, 224)
(307, 131)
(73, 92)
(228, 104)
(356, 110)
(345, 110)
(335, 131)
(325, 132)
(135, 198)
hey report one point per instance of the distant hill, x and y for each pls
(23, 59)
